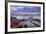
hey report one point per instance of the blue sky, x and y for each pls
(24, 10)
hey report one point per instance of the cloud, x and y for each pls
(16, 8)
(22, 13)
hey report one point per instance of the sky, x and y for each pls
(24, 10)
